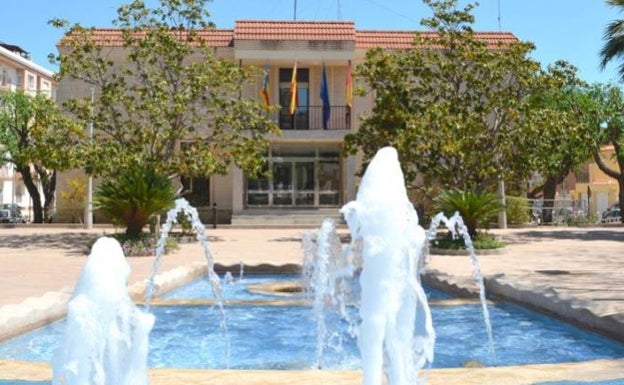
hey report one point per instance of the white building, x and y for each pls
(18, 72)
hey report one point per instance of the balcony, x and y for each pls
(311, 118)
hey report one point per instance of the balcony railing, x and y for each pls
(311, 118)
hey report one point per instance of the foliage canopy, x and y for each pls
(39, 141)
(163, 98)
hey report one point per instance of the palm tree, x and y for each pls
(475, 206)
(133, 196)
(614, 40)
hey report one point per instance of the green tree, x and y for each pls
(163, 100)
(451, 105)
(555, 132)
(610, 98)
(39, 141)
(604, 114)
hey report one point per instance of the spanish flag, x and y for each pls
(265, 86)
(294, 102)
(349, 86)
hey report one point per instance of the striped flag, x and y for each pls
(294, 102)
(349, 86)
(325, 98)
(266, 86)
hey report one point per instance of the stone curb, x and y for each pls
(549, 302)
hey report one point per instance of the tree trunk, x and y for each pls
(49, 189)
(135, 221)
(621, 196)
(550, 190)
(617, 175)
(33, 191)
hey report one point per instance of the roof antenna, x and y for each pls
(499, 16)
(295, 11)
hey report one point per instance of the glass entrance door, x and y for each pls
(282, 183)
(304, 183)
(298, 178)
(293, 183)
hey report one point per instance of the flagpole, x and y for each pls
(295, 11)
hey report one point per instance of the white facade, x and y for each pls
(17, 72)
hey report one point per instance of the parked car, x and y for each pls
(5, 216)
(612, 215)
(15, 213)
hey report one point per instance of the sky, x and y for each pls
(570, 30)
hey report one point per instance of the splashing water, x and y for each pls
(328, 283)
(396, 334)
(182, 206)
(456, 226)
(388, 248)
(106, 335)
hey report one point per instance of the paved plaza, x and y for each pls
(574, 273)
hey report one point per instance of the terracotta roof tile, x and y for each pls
(305, 30)
(367, 39)
(294, 30)
(109, 37)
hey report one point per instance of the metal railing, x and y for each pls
(561, 210)
(311, 118)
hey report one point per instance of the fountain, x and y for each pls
(106, 337)
(387, 250)
(396, 334)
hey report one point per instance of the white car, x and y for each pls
(611, 215)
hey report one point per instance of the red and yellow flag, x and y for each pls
(349, 86)
(265, 86)
(294, 100)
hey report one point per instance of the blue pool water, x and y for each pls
(267, 337)
(238, 289)
(283, 337)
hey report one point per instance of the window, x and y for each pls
(46, 88)
(31, 83)
(196, 190)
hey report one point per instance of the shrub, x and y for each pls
(134, 195)
(475, 206)
(518, 210)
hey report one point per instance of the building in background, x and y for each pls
(308, 173)
(19, 73)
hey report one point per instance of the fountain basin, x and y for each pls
(264, 336)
